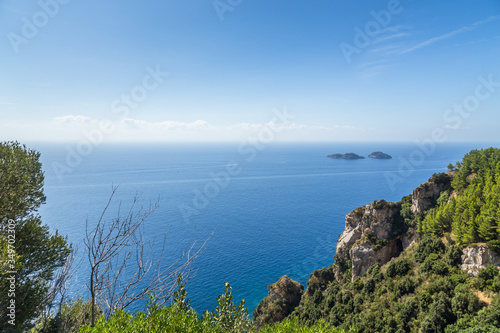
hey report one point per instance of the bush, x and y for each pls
(427, 246)
(409, 310)
(400, 267)
(439, 315)
(357, 284)
(403, 287)
(441, 178)
(464, 303)
(369, 286)
(486, 277)
(454, 256)
(292, 326)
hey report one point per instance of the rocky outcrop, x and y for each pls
(283, 297)
(372, 234)
(376, 219)
(425, 196)
(364, 256)
(477, 257)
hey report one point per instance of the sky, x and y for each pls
(229, 70)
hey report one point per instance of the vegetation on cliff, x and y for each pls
(470, 209)
(423, 290)
(422, 287)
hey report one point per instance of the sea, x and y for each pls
(262, 211)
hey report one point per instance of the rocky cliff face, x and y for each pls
(475, 258)
(283, 297)
(372, 234)
(425, 196)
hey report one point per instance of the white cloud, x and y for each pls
(74, 128)
(198, 125)
(389, 37)
(277, 126)
(74, 120)
(449, 34)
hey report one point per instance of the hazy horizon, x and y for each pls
(386, 71)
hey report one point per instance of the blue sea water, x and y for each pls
(266, 213)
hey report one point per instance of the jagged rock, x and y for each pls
(425, 196)
(371, 236)
(283, 297)
(475, 258)
(378, 217)
(363, 255)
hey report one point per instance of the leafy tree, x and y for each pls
(34, 254)
(439, 315)
(486, 276)
(427, 246)
(400, 267)
(228, 316)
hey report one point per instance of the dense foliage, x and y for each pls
(424, 290)
(470, 209)
(27, 247)
(180, 317)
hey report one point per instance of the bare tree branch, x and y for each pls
(58, 288)
(120, 260)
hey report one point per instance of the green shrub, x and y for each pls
(357, 284)
(427, 246)
(409, 310)
(400, 267)
(369, 286)
(441, 178)
(486, 277)
(464, 303)
(403, 287)
(293, 326)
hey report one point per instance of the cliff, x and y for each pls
(376, 233)
(425, 196)
(283, 297)
(372, 235)
(416, 263)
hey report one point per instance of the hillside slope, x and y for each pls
(427, 263)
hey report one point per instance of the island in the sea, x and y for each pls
(380, 155)
(346, 156)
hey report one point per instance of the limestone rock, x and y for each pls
(475, 258)
(371, 236)
(283, 297)
(425, 196)
(363, 255)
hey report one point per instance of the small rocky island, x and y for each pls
(380, 155)
(346, 156)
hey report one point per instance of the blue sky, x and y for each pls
(67, 66)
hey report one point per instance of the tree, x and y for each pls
(227, 315)
(29, 254)
(115, 245)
